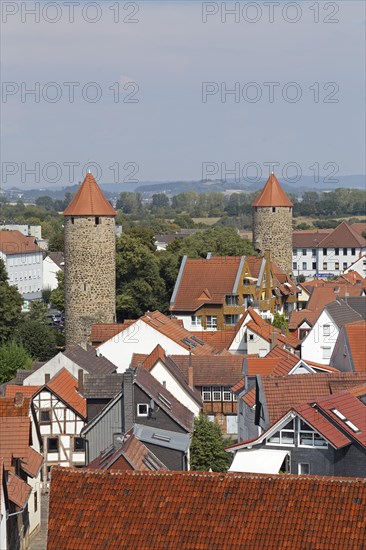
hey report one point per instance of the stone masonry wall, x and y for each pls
(272, 230)
(90, 275)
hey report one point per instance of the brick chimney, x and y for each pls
(47, 378)
(128, 400)
(190, 372)
(18, 399)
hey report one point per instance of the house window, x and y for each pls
(345, 251)
(211, 321)
(325, 265)
(52, 444)
(336, 251)
(314, 265)
(308, 437)
(79, 444)
(325, 251)
(304, 265)
(232, 300)
(196, 321)
(304, 251)
(142, 409)
(216, 393)
(48, 473)
(294, 265)
(326, 352)
(35, 501)
(304, 469)
(226, 393)
(344, 265)
(353, 251)
(326, 330)
(45, 417)
(294, 251)
(303, 332)
(251, 337)
(206, 393)
(286, 436)
(313, 251)
(336, 265)
(231, 319)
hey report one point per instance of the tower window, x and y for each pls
(84, 286)
(72, 220)
(97, 220)
(273, 209)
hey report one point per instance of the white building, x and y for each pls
(322, 253)
(359, 266)
(53, 262)
(23, 262)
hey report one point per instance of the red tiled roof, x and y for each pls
(27, 391)
(189, 510)
(323, 295)
(249, 397)
(102, 332)
(176, 332)
(298, 317)
(14, 420)
(356, 336)
(272, 194)
(18, 490)
(286, 360)
(211, 370)
(32, 462)
(64, 385)
(89, 201)
(218, 339)
(358, 391)
(322, 425)
(359, 227)
(269, 332)
(284, 392)
(343, 236)
(353, 277)
(206, 281)
(14, 242)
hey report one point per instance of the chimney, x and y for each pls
(18, 399)
(274, 340)
(128, 419)
(47, 378)
(80, 381)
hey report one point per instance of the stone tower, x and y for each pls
(272, 224)
(90, 262)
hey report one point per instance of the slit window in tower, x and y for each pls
(97, 220)
(72, 220)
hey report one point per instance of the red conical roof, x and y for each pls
(272, 194)
(89, 200)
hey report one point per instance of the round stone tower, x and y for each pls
(272, 224)
(90, 262)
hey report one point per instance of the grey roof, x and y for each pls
(21, 375)
(342, 313)
(103, 386)
(57, 257)
(164, 399)
(162, 438)
(358, 303)
(89, 360)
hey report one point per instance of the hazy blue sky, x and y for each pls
(169, 52)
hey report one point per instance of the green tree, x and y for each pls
(57, 298)
(13, 357)
(160, 200)
(220, 241)
(37, 311)
(38, 339)
(208, 446)
(10, 305)
(129, 203)
(46, 295)
(45, 202)
(280, 321)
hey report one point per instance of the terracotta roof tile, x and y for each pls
(343, 236)
(353, 277)
(221, 370)
(312, 416)
(323, 295)
(298, 317)
(272, 194)
(218, 339)
(206, 281)
(204, 511)
(284, 392)
(14, 242)
(356, 336)
(32, 463)
(18, 490)
(64, 385)
(27, 391)
(102, 332)
(89, 201)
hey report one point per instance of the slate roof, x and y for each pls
(89, 360)
(358, 303)
(14, 242)
(104, 386)
(135, 454)
(342, 313)
(204, 510)
(281, 393)
(89, 201)
(57, 257)
(272, 194)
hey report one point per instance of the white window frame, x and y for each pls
(206, 393)
(326, 330)
(226, 393)
(281, 433)
(299, 468)
(309, 434)
(216, 393)
(196, 320)
(139, 407)
(326, 352)
(211, 321)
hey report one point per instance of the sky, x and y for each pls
(150, 95)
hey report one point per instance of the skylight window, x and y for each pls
(339, 414)
(161, 437)
(352, 426)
